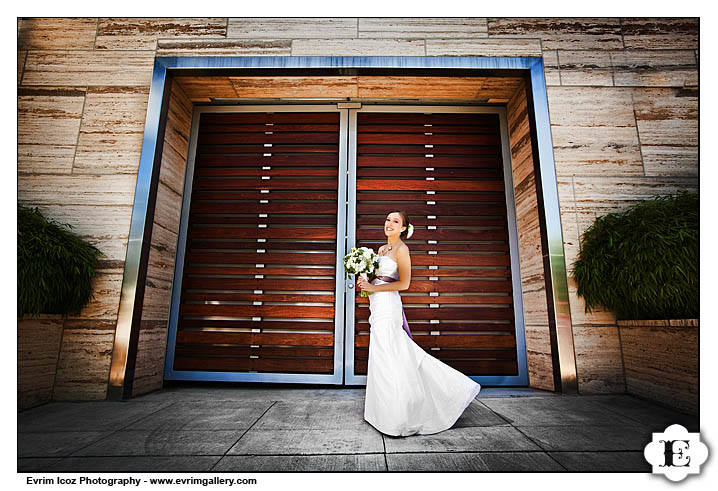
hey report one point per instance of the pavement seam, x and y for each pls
(545, 451)
(497, 414)
(383, 442)
(240, 436)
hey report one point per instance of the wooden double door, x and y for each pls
(276, 195)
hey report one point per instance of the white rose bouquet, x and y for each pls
(362, 261)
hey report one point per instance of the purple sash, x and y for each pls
(389, 279)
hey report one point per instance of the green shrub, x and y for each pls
(54, 267)
(643, 263)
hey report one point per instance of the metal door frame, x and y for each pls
(125, 344)
(345, 296)
(334, 378)
(350, 302)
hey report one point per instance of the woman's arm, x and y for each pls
(404, 260)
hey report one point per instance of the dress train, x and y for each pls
(408, 391)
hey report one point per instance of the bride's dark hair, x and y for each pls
(406, 223)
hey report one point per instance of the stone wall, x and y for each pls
(661, 362)
(623, 102)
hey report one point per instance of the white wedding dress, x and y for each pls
(408, 391)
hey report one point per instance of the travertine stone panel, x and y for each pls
(224, 47)
(179, 120)
(585, 102)
(538, 357)
(98, 207)
(483, 47)
(594, 131)
(652, 68)
(50, 159)
(295, 86)
(172, 171)
(162, 254)
(668, 129)
(176, 144)
(585, 67)
(86, 190)
(149, 368)
(561, 32)
(49, 116)
(85, 357)
(106, 227)
(569, 221)
(662, 361)
(358, 47)
(113, 122)
(38, 347)
(167, 213)
(660, 32)
(158, 291)
(598, 359)
(56, 33)
(137, 33)
(533, 286)
(48, 123)
(418, 27)
(579, 316)
(82, 68)
(533, 283)
(292, 28)
(552, 74)
(106, 288)
(584, 217)
(21, 55)
(614, 194)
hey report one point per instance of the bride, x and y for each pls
(408, 391)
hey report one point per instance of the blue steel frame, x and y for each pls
(127, 332)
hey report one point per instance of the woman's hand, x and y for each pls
(364, 285)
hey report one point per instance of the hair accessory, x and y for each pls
(410, 231)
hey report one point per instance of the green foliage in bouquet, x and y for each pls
(54, 267)
(361, 260)
(643, 263)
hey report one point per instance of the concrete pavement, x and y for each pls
(277, 429)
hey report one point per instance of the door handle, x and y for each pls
(350, 285)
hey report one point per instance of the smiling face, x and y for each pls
(393, 225)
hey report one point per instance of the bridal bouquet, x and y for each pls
(361, 261)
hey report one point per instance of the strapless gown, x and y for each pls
(408, 391)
